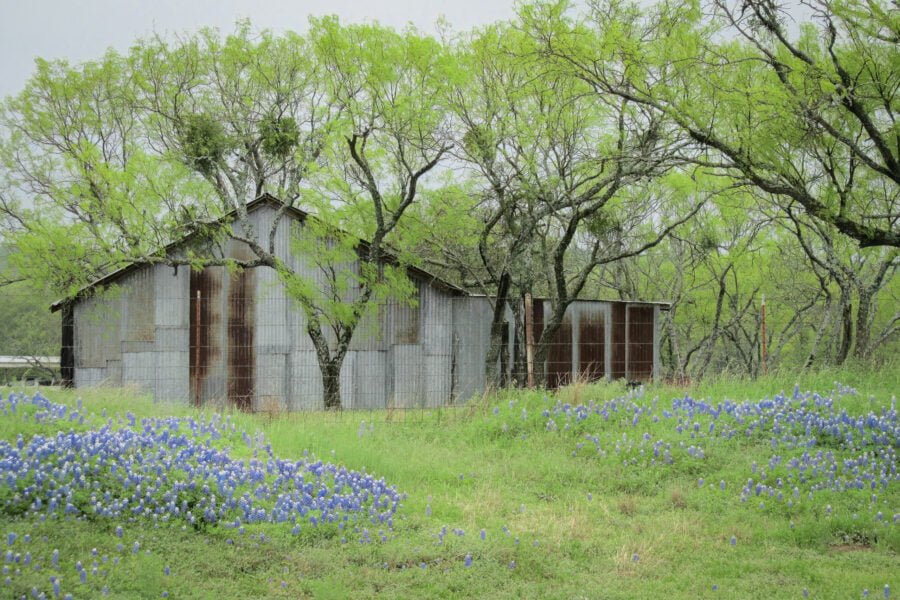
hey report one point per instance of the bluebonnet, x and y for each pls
(136, 469)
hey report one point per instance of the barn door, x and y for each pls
(559, 357)
(640, 343)
(241, 355)
(591, 344)
(204, 349)
(222, 358)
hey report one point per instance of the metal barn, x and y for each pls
(216, 337)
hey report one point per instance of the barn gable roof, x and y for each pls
(265, 199)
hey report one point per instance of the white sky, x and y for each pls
(79, 30)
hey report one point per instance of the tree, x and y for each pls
(858, 275)
(564, 177)
(387, 89)
(105, 163)
(808, 119)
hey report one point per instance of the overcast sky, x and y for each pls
(79, 30)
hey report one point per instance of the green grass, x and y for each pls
(479, 470)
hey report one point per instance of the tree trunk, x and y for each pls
(863, 324)
(331, 383)
(814, 351)
(714, 335)
(676, 362)
(497, 344)
(542, 345)
(519, 359)
(846, 308)
(329, 363)
(540, 363)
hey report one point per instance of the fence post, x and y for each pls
(529, 339)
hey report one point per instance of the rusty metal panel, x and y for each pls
(640, 342)
(591, 342)
(205, 335)
(618, 350)
(656, 342)
(241, 352)
(559, 356)
(67, 351)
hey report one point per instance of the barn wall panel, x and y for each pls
(306, 382)
(369, 380)
(469, 346)
(272, 380)
(407, 376)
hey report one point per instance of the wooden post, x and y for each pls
(529, 339)
(764, 353)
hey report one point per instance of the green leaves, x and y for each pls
(203, 142)
(280, 135)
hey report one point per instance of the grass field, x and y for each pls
(726, 490)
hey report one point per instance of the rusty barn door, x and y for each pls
(204, 349)
(591, 344)
(640, 342)
(241, 355)
(222, 358)
(559, 357)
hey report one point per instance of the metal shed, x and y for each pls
(220, 337)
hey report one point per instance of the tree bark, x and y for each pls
(497, 344)
(846, 308)
(331, 383)
(863, 324)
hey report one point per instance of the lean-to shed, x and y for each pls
(214, 336)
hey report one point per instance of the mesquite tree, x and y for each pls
(105, 163)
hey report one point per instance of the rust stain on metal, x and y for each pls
(204, 288)
(640, 342)
(559, 358)
(591, 347)
(618, 340)
(241, 357)
(67, 352)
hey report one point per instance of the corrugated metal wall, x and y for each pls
(214, 337)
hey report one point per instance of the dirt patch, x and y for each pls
(842, 548)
